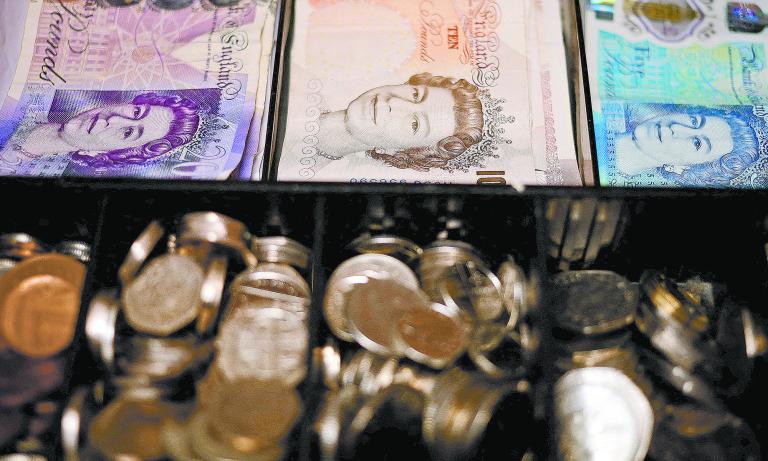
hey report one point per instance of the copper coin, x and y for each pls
(434, 337)
(39, 304)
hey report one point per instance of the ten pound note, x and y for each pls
(679, 92)
(428, 91)
(133, 91)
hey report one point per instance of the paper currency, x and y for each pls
(429, 91)
(132, 91)
(679, 92)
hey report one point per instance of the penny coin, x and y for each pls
(39, 304)
(374, 309)
(435, 336)
(236, 404)
(594, 302)
(165, 297)
(334, 302)
(601, 414)
(130, 429)
(265, 343)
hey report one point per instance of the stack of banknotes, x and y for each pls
(679, 91)
(150, 89)
(413, 91)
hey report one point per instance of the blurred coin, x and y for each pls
(474, 289)
(369, 372)
(139, 252)
(130, 429)
(438, 258)
(217, 229)
(251, 416)
(75, 248)
(6, 265)
(575, 241)
(390, 245)
(23, 457)
(281, 250)
(19, 246)
(692, 420)
(101, 324)
(601, 415)
(514, 291)
(268, 278)
(326, 361)
(73, 424)
(333, 418)
(268, 344)
(375, 308)
(754, 334)
(674, 304)
(434, 337)
(161, 358)
(208, 448)
(334, 302)
(684, 382)
(594, 302)
(39, 304)
(165, 297)
(732, 345)
(211, 294)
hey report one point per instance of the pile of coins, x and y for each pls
(647, 368)
(40, 289)
(456, 314)
(200, 364)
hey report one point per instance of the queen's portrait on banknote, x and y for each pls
(688, 145)
(115, 132)
(421, 124)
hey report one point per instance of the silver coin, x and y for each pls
(390, 245)
(268, 344)
(472, 288)
(594, 302)
(281, 250)
(438, 258)
(6, 265)
(339, 283)
(139, 252)
(165, 297)
(101, 325)
(374, 309)
(19, 246)
(161, 358)
(205, 446)
(77, 249)
(601, 415)
(217, 229)
(435, 337)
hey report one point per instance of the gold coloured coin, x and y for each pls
(131, 429)
(39, 304)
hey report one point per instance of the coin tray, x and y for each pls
(720, 237)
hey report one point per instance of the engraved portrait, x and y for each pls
(110, 129)
(688, 145)
(420, 124)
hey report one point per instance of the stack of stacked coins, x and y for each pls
(457, 337)
(200, 365)
(40, 288)
(651, 365)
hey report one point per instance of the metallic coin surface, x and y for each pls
(472, 288)
(6, 264)
(218, 229)
(161, 358)
(374, 309)
(514, 291)
(205, 446)
(439, 257)
(39, 304)
(594, 302)
(75, 248)
(139, 252)
(334, 302)
(264, 343)
(434, 337)
(270, 282)
(130, 429)
(101, 325)
(281, 250)
(390, 245)
(19, 246)
(165, 297)
(211, 294)
(672, 303)
(692, 420)
(601, 415)
(236, 403)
